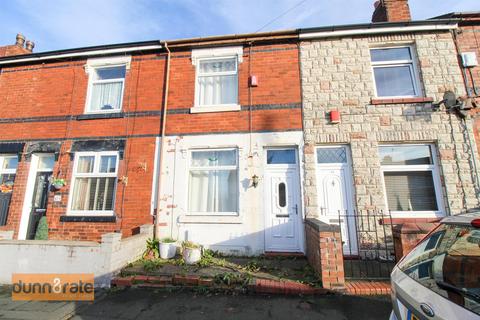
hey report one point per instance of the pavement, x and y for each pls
(142, 303)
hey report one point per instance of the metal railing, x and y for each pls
(368, 248)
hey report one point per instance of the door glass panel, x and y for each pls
(46, 163)
(281, 156)
(282, 195)
(332, 155)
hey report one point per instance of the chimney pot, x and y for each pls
(20, 40)
(30, 45)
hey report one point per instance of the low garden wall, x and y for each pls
(325, 253)
(103, 259)
(407, 235)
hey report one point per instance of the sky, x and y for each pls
(63, 24)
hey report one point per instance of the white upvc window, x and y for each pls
(411, 180)
(216, 79)
(395, 72)
(213, 182)
(106, 84)
(94, 183)
(8, 170)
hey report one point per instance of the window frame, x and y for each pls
(219, 53)
(92, 82)
(95, 174)
(2, 160)
(235, 167)
(437, 185)
(215, 107)
(412, 64)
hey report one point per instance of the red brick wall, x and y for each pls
(39, 99)
(468, 40)
(12, 50)
(391, 11)
(325, 253)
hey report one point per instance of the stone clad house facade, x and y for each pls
(373, 141)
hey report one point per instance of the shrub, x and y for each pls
(42, 229)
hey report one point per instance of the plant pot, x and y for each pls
(57, 186)
(192, 255)
(167, 250)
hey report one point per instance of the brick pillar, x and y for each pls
(325, 252)
(407, 235)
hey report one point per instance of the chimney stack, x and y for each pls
(18, 48)
(20, 40)
(391, 11)
(30, 45)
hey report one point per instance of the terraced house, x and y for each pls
(206, 123)
(312, 141)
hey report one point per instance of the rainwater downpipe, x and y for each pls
(162, 144)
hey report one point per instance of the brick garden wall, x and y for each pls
(324, 252)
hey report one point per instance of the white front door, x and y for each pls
(335, 193)
(283, 231)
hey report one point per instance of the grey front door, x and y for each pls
(39, 202)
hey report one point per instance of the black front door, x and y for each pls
(39, 202)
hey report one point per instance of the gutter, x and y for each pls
(80, 53)
(307, 34)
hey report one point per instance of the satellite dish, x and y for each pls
(449, 99)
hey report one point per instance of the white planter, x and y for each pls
(192, 256)
(167, 250)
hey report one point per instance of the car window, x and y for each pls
(447, 262)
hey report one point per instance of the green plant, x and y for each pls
(190, 245)
(252, 266)
(42, 229)
(150, 265)
(167, 240)
(58, 182)
(152, 249)
(231, 279)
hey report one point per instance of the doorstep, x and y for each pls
(367, 288)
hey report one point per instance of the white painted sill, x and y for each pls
(219, 108)
(210, 219)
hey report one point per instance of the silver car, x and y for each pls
(440, 277)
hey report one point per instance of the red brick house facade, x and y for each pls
(49, 118)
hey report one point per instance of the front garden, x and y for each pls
(217, 269)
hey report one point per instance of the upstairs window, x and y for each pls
(395, 72)
(94, 183)
(106, 84)
(216, 82)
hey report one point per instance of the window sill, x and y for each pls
(212, 219)
(376, 101)
(221, 108)
(107, 115)
(71, 218)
